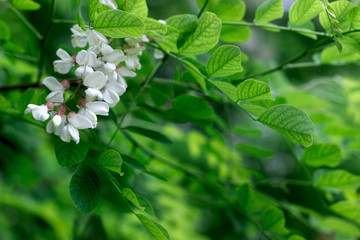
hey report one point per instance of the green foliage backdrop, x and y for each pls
(240, 120)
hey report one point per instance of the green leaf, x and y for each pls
(296, 237)
(119, 24)
(4, 103)
(205, 36)
(132, 162)
(70, 153)
(229, 10)
(85, 189)
(347, 209)
(157, 175)
(350, 52)
(160, 93)
(303, 11)
(254, 109)
(228, 89)
(254, 151)
(339, 179)
(110, 159)
(154, 135)
(138, 7)
(269, 10)
(27, 5)
(156, 230)
(93, 6)
(340, 226)
(81, 22)
(290, 121)
(5, 33)
(193, 107)
(273, 220)
(26, 98)
(225, 61)
(235, 34)
(342, 11)
(179, 27)
(253, 90)
(326, 154)
(130, 195)
(198, 78)
(153, 27)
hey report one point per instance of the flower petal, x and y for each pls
(65, 135)
(95, 80)
(56, 97)
(123, 71)
(62, 67)
(80, 122)
(110, 3)
(111, 98)
(61, 53)
(52, 84)
(74, 133)
(99, 108)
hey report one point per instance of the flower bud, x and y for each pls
(65, 84)
(50, 106)
(70, 115)
(74, 58)
(56, 120)
(82, 102)
(126, 46)
(61, 110)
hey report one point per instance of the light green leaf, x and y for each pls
(153, 27)
(110, 159)
(290, 121)
(205, 36)
(70, 153)
(179, 27)
(85, 189)
(296, 237)
(130, 195)
(350, 52)
(342, 10)
(339, 179)
(253, 90)
(119, 24)
(348, 209)
(326, 154)
(27, 5)
(229, 10)
(269, 10)
(5, 33)
(138, 7)
(235, 34)
(93, 6)
(340, 226)
(303, 11)
(156, 229)
(253, 109)
(225, 61)
(81, 22)
(273, 220)
(228, 89)
(198, 78)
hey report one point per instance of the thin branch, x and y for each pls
(273, 26)
(203, 8)
(24, 20)
(19, 86)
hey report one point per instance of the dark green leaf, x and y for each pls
(110, 159)
(70, 153)
(156, 230)
(322, 155)
(85, 189)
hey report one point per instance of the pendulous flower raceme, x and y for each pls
(100, 69)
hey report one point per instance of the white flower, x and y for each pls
(95, 39)
(63, 66)
(54, 126)
(87, 58)
(92, 109)
(112, 91)
(124, 72)
(57, 90)
(83, 71)
(110, 55)
(132, 61)
(110, 3)
(158, 54)
(70, 131)
(40, 113)
(79, 36)
(109, 69)
(95, 82)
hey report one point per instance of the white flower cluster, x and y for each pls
(100, 69)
